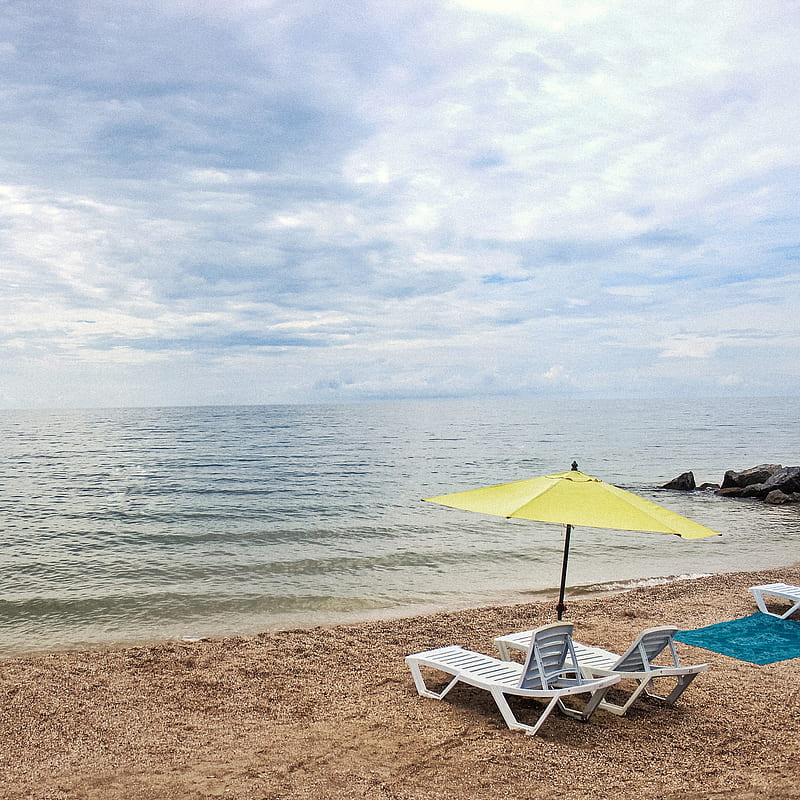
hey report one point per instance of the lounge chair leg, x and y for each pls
(595, 701)
(503, 650)
(513, 723)
(762, 607)
(422, 688)
(621, 710)
(681, 685)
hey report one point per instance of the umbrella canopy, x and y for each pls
(574, 498)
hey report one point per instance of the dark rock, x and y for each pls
(730, 491)
(777, 498)
(684, 483)
(747, 477)
(708, 487)
(754, 490)
(787, 480)
(771, 483)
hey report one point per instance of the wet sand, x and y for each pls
(332, 713)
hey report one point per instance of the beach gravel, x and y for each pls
(332, 713)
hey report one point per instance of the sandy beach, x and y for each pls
(332, 713)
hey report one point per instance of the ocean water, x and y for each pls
(128, 525)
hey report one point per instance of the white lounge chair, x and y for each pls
(782, 590)
(550, 673)
(636, 664)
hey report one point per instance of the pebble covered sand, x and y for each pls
(333, 713)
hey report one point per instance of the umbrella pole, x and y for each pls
(561, 608)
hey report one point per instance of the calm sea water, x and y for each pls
(134, 524)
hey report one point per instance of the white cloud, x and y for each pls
(557, 374)
(551, 14)
(685, 346)
(387, 200)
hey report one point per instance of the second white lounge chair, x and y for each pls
(783, 590)
(550, 673)
(636, 664)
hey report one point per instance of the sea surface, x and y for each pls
(132, 525)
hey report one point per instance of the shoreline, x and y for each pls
(331, 619)
(331, 712)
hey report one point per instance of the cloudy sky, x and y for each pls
(266, 201)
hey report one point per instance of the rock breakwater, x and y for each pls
(772, 483)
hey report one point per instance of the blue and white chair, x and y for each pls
(550, 673)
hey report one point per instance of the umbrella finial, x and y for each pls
(575, 465)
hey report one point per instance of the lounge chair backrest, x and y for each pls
(550, 653)
(647, 647)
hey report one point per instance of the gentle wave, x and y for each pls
(615, 587)
(153, 607)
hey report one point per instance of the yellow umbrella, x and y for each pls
(574, 498)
